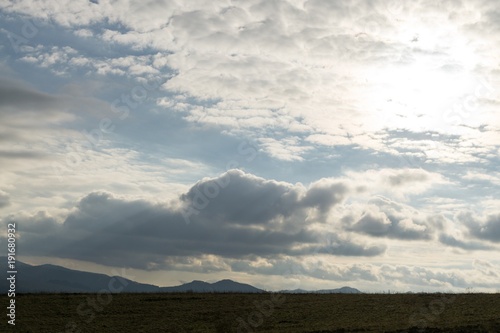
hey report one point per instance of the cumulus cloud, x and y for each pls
(236, 215)
(383, 220)
(243, 198)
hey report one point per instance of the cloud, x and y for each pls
(382, 221)
(404, 178)
(480, 274)
(386, 110)
(486, 268)
(4, 199)
(324, 194)
(397, 182)
(334, 245)
(21, 109)
(487, 228)
(482, 178)
(245, 216)
(14, 94)
(288, 149)
(309, 61)
(40, 223)
(414, 275)
(241, 198)
(246, 199)
(470, 246)
(290, 267)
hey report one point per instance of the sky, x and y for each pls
(287, 144)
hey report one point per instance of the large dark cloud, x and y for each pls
(245, 217)
(245, 199)
(241, 199)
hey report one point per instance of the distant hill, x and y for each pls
(52, 278)
(218, 287)
(343, 290)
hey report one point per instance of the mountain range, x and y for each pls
(52, 278)
(343, 290)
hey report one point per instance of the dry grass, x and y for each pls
(57, 313)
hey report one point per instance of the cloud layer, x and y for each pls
(238, 222)
(242, 216)
(368, 132)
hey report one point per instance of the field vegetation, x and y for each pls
(192, 312)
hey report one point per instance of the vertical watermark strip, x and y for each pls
(11, 272)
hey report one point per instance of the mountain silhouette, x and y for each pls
(52, 278)
(217, 287)
(343, 290)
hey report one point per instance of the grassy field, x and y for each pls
(57, 313)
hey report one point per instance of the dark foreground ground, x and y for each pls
(180, 313)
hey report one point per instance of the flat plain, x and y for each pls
(269, 312)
